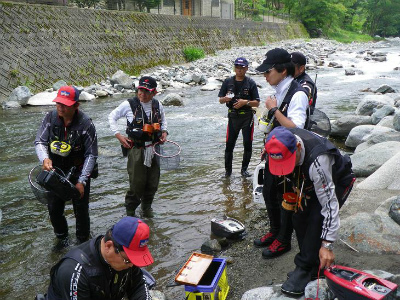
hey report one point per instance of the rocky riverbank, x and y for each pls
(369, 236)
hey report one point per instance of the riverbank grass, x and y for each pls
(345, 36)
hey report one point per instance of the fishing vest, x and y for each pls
(342, 173)
(244, 92)
(293, 89)
(304, 79)
(73, 136)
(134, 129)
(88, 258)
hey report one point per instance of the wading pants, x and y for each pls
(241, 120)
(143, 181)
(56, 208)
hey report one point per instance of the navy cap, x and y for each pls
(147, 83)
(274, 57)
(241, 61)
(298, 58)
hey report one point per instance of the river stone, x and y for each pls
(157, 295)
(384, 89)
(356, 135)
(211, 246)
(386, 177)
(43, 98)
(324, 291)
(394, 211)
(386, 122)
(101, 93)
(377, 136)
(349, 72)
(368, 161)
(172, 99)
(123, 79)
(261, 293)
(372, 233)
(20, 95)
(343, 125)
(382, 112)
(396, 121)
(59, 84)
(367, 105)
(85, 96)
(11, 105)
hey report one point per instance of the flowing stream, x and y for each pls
(188, 197)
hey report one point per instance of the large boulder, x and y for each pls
(123, 79)
(172, 99)
(343, 125)
(20, 95)
(396, 121)
(364, 133)
(382, 112)
(372, 233)
(370, 102)
(386, 122)
(384, 88)
(386, 177)
(59, 84)
(369, 160)
(43, 98)
(394, 210)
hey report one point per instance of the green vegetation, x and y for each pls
(193, 53)
(344, 20)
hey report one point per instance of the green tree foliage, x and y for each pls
(145, 5)
(382, 17)
(86, 3)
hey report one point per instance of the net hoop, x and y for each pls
(167, 156)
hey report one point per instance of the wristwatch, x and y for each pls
(327, 245)
(273, 110)
(248, 102)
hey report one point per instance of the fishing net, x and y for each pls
(169, 154)
(41, 194)
(320, 123)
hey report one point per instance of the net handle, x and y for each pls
(167, 156)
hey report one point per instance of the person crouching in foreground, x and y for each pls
(318, 181)
(106, 267)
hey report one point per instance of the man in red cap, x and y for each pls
(106, 267)
(75, 131)
(317, 180)
(141, 112)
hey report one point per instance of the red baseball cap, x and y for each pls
(133, 234)
(67, 95)
(281, 147)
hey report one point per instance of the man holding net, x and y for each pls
(146, 125)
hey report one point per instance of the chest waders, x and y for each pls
(143, 181)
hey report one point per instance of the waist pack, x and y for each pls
(58, 184)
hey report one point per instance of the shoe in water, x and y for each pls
(61, 244)
(148, 213)
(297, 282)
(276, 249)
(265, 241)
(244, 173)
(228, 174)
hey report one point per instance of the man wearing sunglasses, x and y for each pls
(288, 108)
(106, 267)
(240, 94)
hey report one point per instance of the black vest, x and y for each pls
(98, 274)
(293, 89)
(134, 129)
(72, 135)
(243, 93)
(315, 145)
(312, 96)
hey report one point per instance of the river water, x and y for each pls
(188, 197)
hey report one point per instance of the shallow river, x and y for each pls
(188, 197)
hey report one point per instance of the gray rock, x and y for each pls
(261, 293)
(384, 89)
(382, 112)
(369, 160)
(211, 246)
(356, 135)
(386, 177)
(324, 291)
(172, 99)
(379, 58)
(101, 93)
(59, 84)
(10, 105)
(370, 102)
(349, 72)
(187, 78)
(345, 124)
(372, 233)
(157, 295)
(386, 122)
(85, 96)
(123, 79)
(394, 210)
(20, 95)
(380, 136)
(396, 121)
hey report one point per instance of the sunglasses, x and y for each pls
(126, 261)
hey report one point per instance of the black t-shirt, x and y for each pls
(245, 89)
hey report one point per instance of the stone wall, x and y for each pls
(41, 44)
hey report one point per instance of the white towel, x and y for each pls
(148, 154)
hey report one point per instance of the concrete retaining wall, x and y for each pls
(42, 44)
